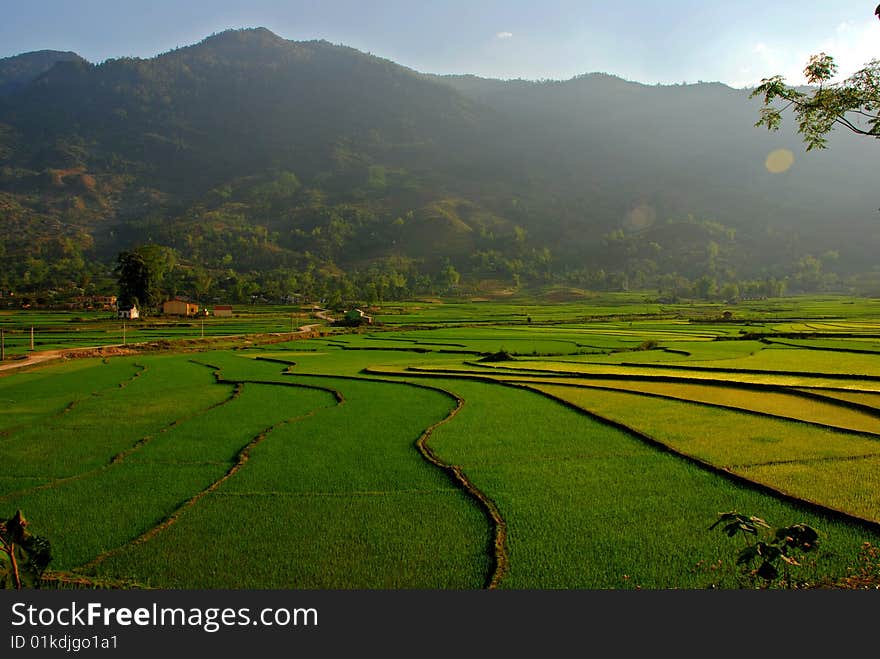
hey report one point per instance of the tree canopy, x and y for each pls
(285, 170)
(140, 272)
(853, 103)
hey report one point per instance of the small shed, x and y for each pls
(129, 313)
(222, 310)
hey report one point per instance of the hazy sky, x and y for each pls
(736, 42)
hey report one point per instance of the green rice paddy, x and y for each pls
(459, 445)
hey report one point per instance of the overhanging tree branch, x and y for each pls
(848, 103)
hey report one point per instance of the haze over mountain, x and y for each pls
(272, 165)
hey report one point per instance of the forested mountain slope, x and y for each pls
(282, 166)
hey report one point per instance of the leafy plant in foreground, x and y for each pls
(767, 549)
(23, 556)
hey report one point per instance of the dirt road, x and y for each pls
(43, 356)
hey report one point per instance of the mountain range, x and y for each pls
(264, 164)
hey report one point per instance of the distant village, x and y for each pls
(181, 306)
(176, 306)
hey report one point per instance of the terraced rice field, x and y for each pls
(581, 454)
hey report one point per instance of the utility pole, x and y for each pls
(123, 332)
(203, 328)
(2, 346)
(32, 337)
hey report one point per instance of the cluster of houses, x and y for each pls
(177, 306)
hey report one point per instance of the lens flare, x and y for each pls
(779, 161)
(641, 217)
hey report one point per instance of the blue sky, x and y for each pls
(736, 42)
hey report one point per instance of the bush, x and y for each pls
(500, 356)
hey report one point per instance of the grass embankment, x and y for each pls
(751, 445)
(796, 405)
(155, 474)
(111, 408)
(678, 372)
(850, 411)
(35, 395)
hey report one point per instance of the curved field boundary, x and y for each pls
(498, 526)
(755, 371)
(780, 389)
(512, 370)
(273, 359)
(218, 376)
(241, 459)
(6, 433)
(338, 395)
(122, 455)
(743, 410)
(807, 504)
(840, 402)
(843, 395)
(676, 351)
(449, 351)
(767, 337)
(836, 458)
(801, 392)
(505, 372)
(855, 351)
(141, 370)
(512, 378)
(415, 341)
(455, 473)
(516, 335)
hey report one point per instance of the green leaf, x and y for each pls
(768, 552)
(738, 523)
(767, 571)
(747, 555)
(798, 536)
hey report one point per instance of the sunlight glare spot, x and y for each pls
(641, 217)
(779, 161)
